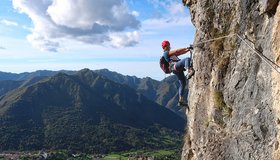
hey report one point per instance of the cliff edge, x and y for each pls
(235, 94)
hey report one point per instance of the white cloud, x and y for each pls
(43, 43)
(124, 39)
(8, 23)
(135, 13)
(1, 47)
(89, 21)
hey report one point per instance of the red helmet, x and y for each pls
(164, 43)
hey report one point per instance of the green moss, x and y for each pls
(223, 64)
(220, 104)
(227, 111)
(187, 139)
(219, 100)
(207, 123)
(232, 44)
(217, 46)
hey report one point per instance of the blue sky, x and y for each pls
(120, 35)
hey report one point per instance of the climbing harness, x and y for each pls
(263, 57)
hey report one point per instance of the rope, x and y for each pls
(214, 39)
(263, 57)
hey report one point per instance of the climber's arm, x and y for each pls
(178, 52)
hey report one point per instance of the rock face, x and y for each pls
(234, 95)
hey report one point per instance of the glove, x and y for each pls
(190, 47)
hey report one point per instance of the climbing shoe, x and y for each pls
(190, 73)
(183, 104)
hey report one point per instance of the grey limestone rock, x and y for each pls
(235, 94)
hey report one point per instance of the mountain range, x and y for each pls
(162, 92)
(84, 111)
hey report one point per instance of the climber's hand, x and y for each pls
(190, 47)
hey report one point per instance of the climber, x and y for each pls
(178, 66)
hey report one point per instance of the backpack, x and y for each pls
(164, 65)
